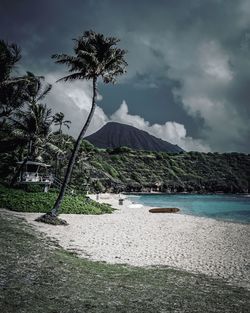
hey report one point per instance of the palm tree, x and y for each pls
(35, 122)
(95, 56)
(33, 125)
(58, 119)
(10, 54)
(11, 93)
(36, 90)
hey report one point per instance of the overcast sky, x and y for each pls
(188, 79)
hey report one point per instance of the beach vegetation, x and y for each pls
(35, 201)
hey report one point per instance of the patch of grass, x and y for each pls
(38, 277)
(19, 200)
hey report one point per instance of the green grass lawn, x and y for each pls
(38, 276)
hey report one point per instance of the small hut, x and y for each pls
(35, 173)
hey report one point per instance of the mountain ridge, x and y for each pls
(114, 135)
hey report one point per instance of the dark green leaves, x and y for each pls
(95, 56)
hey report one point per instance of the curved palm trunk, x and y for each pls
(54, 211)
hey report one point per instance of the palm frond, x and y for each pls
(94, 56)
(53, 148)
(70, 77)
(45, 91)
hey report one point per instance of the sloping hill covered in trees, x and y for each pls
(129, 170)
(124, 169)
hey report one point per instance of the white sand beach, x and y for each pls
(136, 237)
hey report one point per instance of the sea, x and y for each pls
(229, 207)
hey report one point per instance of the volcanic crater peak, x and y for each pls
(113, 135)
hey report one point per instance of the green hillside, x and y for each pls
(124, 169)
(128, 170)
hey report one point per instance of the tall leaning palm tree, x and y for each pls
(95, 56)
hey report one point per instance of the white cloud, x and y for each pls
(122, 116)
(209, 69)
(214, 62)
(74, 100)
(206, 76)
(172, 132)
(204, 94)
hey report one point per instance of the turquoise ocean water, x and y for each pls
(234, 208)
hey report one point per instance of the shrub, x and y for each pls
(97, 164)
(98, 186)
(120, 150)
(136, 177)
(33, 188)
(108, 168)
(87, 146)
(19, 200)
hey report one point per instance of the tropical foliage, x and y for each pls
(11, 89)
(128, 170)
(26, 123)
(19, 200)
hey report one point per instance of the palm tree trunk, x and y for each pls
(54, 211)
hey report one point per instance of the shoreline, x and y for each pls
(190, 214)
(136, 237)
(186, 193)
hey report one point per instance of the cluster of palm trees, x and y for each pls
(25, 121)
(95, 57)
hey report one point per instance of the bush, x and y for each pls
(108, 168)
(87, 146)
(98, 186)
(21, 201)
(120, 150)
(33, 188)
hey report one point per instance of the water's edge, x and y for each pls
(229, 208)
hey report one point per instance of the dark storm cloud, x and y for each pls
(188, 60)
(43, 27)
